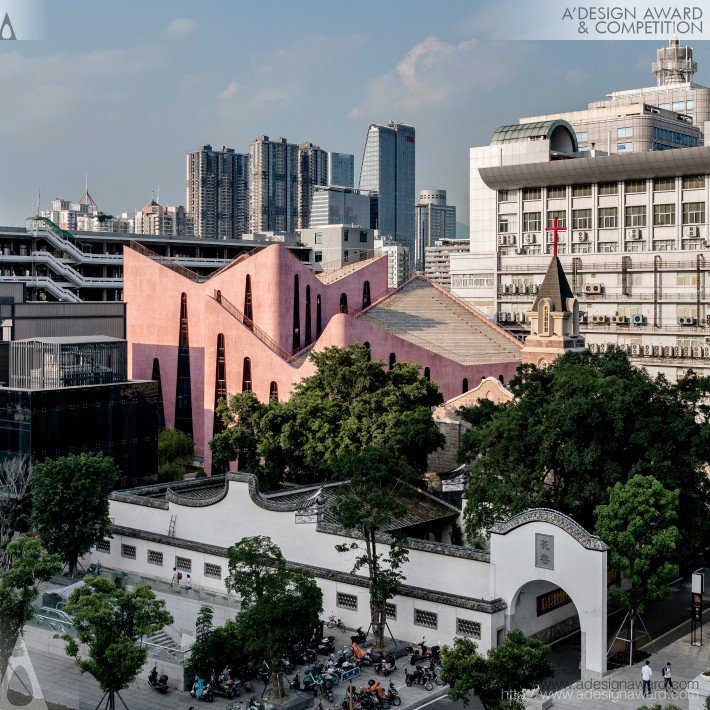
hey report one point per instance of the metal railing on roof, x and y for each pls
(167, 262)
(239, 259)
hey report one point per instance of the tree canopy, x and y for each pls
(576, 429)
(111, 622)
(70, 503)
(373, 496)
(350, 402)
(253, 563)
(517, 664)
(30, 564)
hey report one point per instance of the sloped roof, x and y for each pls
(425, 315)
(555, 287)
(489, 388)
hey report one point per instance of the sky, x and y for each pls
(121, 91)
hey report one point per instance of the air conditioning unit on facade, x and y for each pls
(502, 317)
(676, 351)
(634, 234)
(635, 349)
(619, 320)
(687, 321)
(512, 317)
(529, 238)
(692, 231)
(535, 288)
(706, 351)
(583, 318)
(502, 240)
(638, 320)
(501, 290)
(519, 250)
(582, 236)
(656, 351)
(695, 352)
(550, 238)
(667, 351)
(593, 288)
(599, 319)
(593, 347)
(707, 319)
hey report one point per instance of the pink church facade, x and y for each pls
(250, 326)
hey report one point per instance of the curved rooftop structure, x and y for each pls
(559, 132)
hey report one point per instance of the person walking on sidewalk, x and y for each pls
(174, 577)
(646, 674)
(667, 676)
(188, 583)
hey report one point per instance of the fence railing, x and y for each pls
(239, 259)
(167, 262)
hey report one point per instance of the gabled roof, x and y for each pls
(555, 287)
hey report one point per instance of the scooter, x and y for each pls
(392, 695)
(424, 654)
(201, 690)
(359, 636)
(159, 683)
(386, 665)
(326, 646)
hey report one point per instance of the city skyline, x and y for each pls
(227, 94)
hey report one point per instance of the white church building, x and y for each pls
(543, 573)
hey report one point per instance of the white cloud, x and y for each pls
(181, 26)
(232, 88)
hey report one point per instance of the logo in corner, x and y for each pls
(6, 29)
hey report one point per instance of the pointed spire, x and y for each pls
(555, 286)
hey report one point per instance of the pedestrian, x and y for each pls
(646, 674)
(188, 583)
(179, 578)
(172, 581)
(667, 676)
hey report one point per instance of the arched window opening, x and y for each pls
(343, 303)
(246, 375)
(319, 320)
(183, 395)
(366, 295)
(427, 374)
(464, 385)
(393, 359)
(274, 391)
(546, 319)
(248, 305)
(161, 408)
(501, 379)
(296, 344)
(307, 335)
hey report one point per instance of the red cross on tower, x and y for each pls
(555, 229)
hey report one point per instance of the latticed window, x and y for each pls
(556, 192)
(693, 182)
(430, 619)
(214, 571)
(466, 627)
(608, 188)
(346, 601)
(128, 551)
(184, 563)
(693, 212)
(581, 190)
(664, 215)
(103, 546)
(391, 611)
(607, 217)
(155, 557)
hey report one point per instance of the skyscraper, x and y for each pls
(388, 169)
(273, 185)
(312, 170)
(435, 220)
(341, 169)
(217, 192)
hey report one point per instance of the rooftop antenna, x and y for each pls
(158, 200)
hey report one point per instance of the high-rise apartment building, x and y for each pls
(312, 171)
(65, 213)
(435, 220)
(341, 169)
(168, 220)
(273, 185)
(217, 192)
(388, 169)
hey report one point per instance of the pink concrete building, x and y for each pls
(250, 326)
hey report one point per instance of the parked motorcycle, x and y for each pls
(159, 683)
(201, 690)
(423, 653)
(418, 677)
(359, 637)
(392, 695)
(326, 646)
(386, 665)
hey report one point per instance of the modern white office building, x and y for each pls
(340, 205)
(435, 220)
(336, 245)
(669, 115)
(398, 260)
(312, 171)
(388, 169)
(437, 264)
(634, 241)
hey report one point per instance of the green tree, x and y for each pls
(639, 525)
(253, 563)
(215, 648)
(517, 664)
(70, 503)
(15, 497)
(30, 564)
(287, 610)
(176, 451)
(112, 622)
(350, 402)
(370, 500)
(576, 429)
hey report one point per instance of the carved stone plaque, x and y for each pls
(544, 551)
